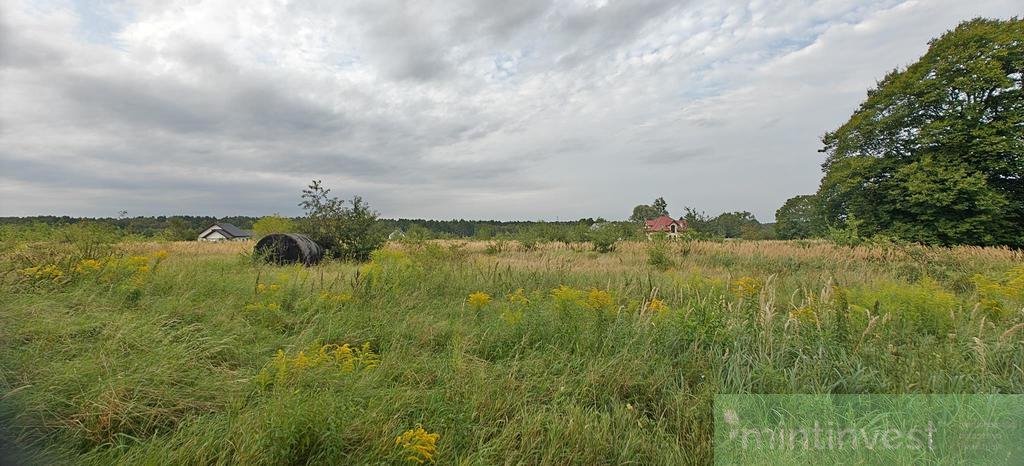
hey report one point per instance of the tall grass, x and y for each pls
(209, 357)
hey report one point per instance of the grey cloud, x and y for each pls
(706, 122)
(445, 109)
(671, 156)
(771, 122)
(587, 32)
(131, 102)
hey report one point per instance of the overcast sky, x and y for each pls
(464, 109)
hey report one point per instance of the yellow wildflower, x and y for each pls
(419, 444)
(339, 298)
(597, 299)
(283, 369)
(997, 297)
(518, 297)
(746, 287)
(566, 296)
(88, 265)
(46, 272)
(478, 300)
(657, 305)
(804, 314)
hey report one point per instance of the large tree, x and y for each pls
(733, 224)
(799, 217)
(936, 152)
(646, 212)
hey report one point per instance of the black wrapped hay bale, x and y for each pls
(289, 248)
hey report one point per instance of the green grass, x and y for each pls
(163, 366)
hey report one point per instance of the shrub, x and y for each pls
(604, 239)
(346, 229)
(658, 255)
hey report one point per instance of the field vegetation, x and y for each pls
(473, 352)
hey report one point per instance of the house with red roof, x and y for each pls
(665, 224)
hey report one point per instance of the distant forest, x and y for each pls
(189, 226)
(186, 227)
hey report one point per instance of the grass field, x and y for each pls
(191, 353)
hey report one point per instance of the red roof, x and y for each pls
(664, 223)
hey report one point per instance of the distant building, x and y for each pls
(665, 224)
(224, 232)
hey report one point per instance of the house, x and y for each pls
(665, 224)
(224, 232)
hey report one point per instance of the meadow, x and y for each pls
(473, 352)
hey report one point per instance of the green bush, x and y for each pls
(346, 229)
(658, 255)
(604, 238)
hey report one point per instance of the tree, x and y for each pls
(936, 152)
(346, 231)
(178, 230)
(732, 224)
(646, 212)
(696, 220)
(272, 224)
(799, 217)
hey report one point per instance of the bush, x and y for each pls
(346, 229)
(658, 255)
(530, 238)
(604, 238)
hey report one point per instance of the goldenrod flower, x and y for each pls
(419, 444)
(804, 314)
(566, 296)
(746, 287)
(597, 300)
(339, 298)
(283, 369)
(46, 272)
(478, 300)
(88, 265)
(657, 305)
(518, 297)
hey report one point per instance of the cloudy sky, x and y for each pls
(438, 109)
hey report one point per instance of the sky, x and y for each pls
(476, 109)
